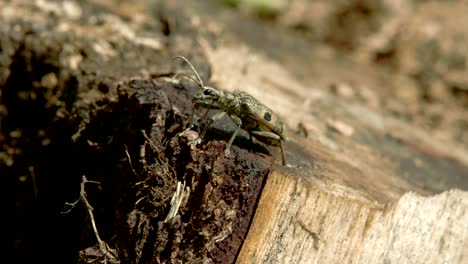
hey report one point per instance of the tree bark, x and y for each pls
(93, 82)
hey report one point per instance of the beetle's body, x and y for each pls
(255, 116)
(244, 110)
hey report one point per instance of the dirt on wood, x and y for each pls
(130, 144)
(60, 123)
(220, 192)
(85, 90)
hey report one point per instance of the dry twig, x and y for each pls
(110, 255)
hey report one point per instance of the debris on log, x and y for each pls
(87, 90)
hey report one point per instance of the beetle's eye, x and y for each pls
(209, 92)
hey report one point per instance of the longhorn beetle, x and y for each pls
(243, 109)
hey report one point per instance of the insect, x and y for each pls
(245, 111)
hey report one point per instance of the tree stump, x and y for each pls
(87, 89)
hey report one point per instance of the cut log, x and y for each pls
(364, 186)
(369, 188)
(297, 222)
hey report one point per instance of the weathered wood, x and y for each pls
(298, 222)
(366, 187)
(371, 189)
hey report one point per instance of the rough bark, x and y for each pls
(85, 91)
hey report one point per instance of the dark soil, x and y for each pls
(127, 141)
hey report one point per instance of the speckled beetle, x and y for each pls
(243, 109)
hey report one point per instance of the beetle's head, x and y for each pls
(208, 93)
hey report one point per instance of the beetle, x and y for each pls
(245, 111)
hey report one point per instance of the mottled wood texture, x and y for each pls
(370, 188)
(367, 187)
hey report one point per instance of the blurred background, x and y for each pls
(403, 59)
(420, 44)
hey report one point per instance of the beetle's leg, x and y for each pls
(267, 135)
(210, 122)
(283, 159)
(205, 115)
(275, 137)
(192, 117)
(196, 105)
(238, 123)
(202, 104)
(228, 145)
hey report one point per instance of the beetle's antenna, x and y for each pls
(188, 76)
(200, 81)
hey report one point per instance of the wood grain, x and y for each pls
(299, 223)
